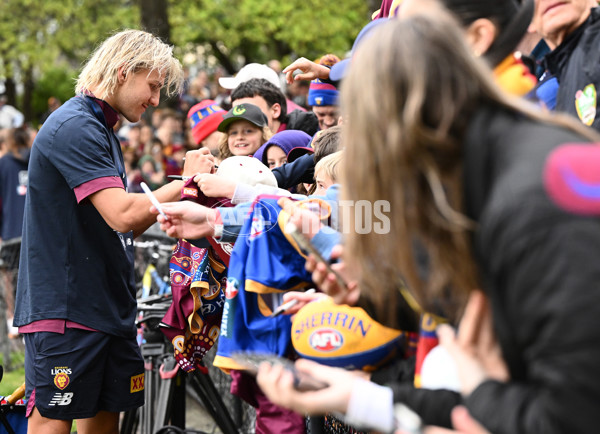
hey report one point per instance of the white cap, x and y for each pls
(248, 170)
(251, 70)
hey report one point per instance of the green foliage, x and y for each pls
(56, 81)
(259, 30)
(60, 34)
(50, 33)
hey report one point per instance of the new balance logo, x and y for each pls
(61, 399)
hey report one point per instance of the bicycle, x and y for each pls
(167, 387)
(165, 384)
(154, 277)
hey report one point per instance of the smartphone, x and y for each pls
(302, 382)
(304, 243)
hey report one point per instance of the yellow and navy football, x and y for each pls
(344, 336)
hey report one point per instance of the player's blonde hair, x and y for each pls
(134, 51)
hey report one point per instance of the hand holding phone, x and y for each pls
(302, 382)
(285, 306)
(305, 244)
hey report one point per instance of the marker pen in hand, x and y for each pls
(291, 303)
(153, 199)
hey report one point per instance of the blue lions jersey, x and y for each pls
(263, 266)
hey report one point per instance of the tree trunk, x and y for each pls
(29, 87)
(223, 59)
(10, 90)
(155, 18)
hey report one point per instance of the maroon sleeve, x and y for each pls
(87, 188)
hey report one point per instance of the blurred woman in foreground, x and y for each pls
(462, 166)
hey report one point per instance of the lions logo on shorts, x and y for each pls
(61, 377)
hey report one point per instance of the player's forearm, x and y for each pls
(126, 212)
(142, 218)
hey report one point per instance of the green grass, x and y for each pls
(16, 376)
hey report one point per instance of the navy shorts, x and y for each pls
(80, 373)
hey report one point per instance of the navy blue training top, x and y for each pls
(73, 265)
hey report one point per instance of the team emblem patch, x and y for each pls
(239, 110)
(137, 383)
(190, 192)
(231, 289)
(61, 380)
(258, 227)
(585, 103)
(61, 376)
(326, 340)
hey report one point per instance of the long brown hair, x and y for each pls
(411, 91)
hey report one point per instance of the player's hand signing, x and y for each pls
(198, 161)
(303, 298)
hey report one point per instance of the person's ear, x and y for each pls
(121, 76)
(481, 34)
(276, 109)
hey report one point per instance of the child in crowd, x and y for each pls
(204, 119)
(324, 143)
(327, 172)
(276, 157)
(246, 130)
(297, 141)
(275, 152)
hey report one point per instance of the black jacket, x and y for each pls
(303, 121)
(539, 267)
(576, 64)
(300, 170)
